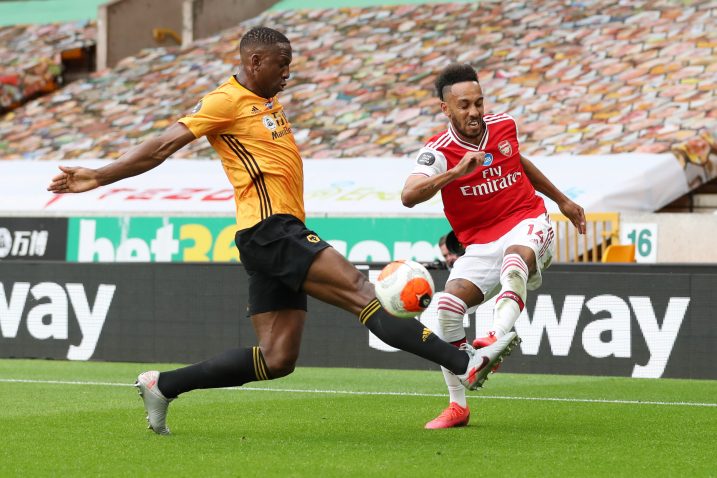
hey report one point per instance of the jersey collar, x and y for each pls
(269, 103)
(470, 146)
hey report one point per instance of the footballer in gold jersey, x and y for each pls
(254, 140)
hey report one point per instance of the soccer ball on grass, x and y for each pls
(404, 288)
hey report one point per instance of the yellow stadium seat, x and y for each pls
(619, 253)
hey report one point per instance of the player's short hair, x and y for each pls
(451, 242)
(452, 74)
(261, 36)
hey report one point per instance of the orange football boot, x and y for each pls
(453, 416)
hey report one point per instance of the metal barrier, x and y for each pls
(602, 229)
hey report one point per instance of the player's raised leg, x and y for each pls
(332, 279)
(518, 263)
(511, 298)
(462, 292)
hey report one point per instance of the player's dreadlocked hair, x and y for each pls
(452, 74)
(261, 36)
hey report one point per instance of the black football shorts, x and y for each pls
(277, 253)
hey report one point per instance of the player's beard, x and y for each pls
(473, 138)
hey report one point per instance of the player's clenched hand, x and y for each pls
(468, 163)
(74, 180)
(575, 213)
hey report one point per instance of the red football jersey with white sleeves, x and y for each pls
(484, 205)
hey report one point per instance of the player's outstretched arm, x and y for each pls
(542, 184)
(419, 188)
(142, 158)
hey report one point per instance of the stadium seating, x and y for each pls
(619, 253)
(582, 78)
(30, 58)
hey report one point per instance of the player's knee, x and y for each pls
(465, 291)
(361, 290)
(358, 282)
(280, 364)
(526, 254)
(282, 370)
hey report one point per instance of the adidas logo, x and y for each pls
(426, 333)
(255, 110)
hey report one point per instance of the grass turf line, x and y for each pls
(94, 430)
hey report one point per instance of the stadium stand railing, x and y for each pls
(602, 231)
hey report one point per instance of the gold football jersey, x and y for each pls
(257, 148)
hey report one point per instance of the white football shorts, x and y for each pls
(481, 263)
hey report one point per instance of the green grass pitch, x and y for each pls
(307, 425)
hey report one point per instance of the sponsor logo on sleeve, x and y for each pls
(426, 159)
(196, 108)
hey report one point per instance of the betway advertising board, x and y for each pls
(628, 320)
(187, 239)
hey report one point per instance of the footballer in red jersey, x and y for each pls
(489, 197)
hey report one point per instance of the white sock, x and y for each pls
(451, 310)
(456, 390)
(513, 292)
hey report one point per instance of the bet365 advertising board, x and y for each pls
(187, 239)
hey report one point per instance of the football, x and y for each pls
(404, 288)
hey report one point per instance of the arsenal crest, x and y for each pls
(505, 148)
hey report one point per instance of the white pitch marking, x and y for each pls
(63, 382)
(401, 394)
